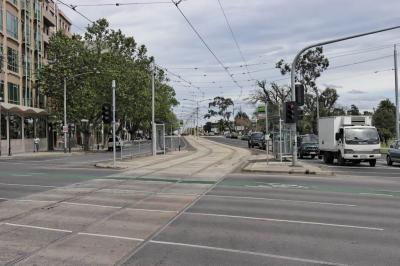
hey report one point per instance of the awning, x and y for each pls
(23, 110)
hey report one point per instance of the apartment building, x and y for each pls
(25, 29)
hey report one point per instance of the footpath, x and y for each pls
(259, 164)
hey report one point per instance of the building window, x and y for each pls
(3, 126)
(13, 93)
(15, 126)
(27, 95)
(14, 2)
(29, 128)
(12, 25)
(12, 58)
(2, 91)
(41, 127)
(1, 56)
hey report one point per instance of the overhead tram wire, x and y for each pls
(73, 7)
(205, 44)
(123, 4)
(235, 41)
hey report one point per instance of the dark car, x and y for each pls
(393, 153)
(257, 139)
(308, 146)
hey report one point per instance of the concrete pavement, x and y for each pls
(101, 221)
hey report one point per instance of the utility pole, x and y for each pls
(113, 123)
(317, 111)
(1, 99)
(197, 121)
(293, 74)
(397, 93)
(153, 123)
(65, 115)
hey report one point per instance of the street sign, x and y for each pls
(65, 129)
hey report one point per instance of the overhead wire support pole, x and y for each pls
(396, 80)
(113, 123)
(293, 74)
(153, 123)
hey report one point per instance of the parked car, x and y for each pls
(393, 153)
(257, 139)
(307, 145)
(245, 137)
(234, 135)
(118, 143)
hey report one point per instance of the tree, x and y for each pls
(308, 69)
(89, 64)
(207, 127)
(219, 108)
(354, 110)
(384, 120)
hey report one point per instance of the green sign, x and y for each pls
(261, 109)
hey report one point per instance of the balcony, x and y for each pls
(49, 18)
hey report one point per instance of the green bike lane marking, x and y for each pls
(321, 188)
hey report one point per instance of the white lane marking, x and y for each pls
(248, 253)
(115, 207)
(111, 236)
(283, 200)
(376, 194)
(88, 204)
(28, 200)
(39, 227)
(286, 221)
(25, 185)
(20, 175)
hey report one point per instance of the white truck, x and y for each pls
(348, 139)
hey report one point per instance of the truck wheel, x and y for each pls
(249, 145)
(372, 163)
(330, 158)
(340, 159)
(389, 160)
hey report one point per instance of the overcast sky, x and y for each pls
(266, 31)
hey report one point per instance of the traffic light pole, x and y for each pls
(113, 122)
(153, 122)
(65, 114)
(293, 74)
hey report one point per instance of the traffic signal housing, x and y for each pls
(106, 113)
(299, 91)
(290, 112)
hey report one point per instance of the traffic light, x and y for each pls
(299, 89)
(290, 112)
(300, 113)
(106, 113)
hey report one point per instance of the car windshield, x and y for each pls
(257, 135)
(361, 136)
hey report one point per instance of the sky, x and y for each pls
(266, 31)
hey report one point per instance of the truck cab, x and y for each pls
(349, 139)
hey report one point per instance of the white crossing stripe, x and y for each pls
(25, 185)
(39, 227)
(111, 236)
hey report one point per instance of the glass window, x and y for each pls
(13, 93)
(29, 128)
(3, 126)
(13, 1)
(12, 58)
(15, 127)
(1, 56)
(41, 127)
(2, 91)
(12, 25)
(27, 92)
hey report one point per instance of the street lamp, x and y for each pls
(65, 128)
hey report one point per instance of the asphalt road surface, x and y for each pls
(246, 219)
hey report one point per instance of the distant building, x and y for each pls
(25, 29)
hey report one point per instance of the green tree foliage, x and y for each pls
(89, 64)
(384, 120)
(354, 110)
(308, 69)
(219, 107)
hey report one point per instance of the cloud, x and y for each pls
(354, 91)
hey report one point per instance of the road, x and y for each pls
(198, 209)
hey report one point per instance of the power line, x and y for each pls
(205, 44)
(73, 7)
(122, 4)
(235, 40)
(360, 62)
